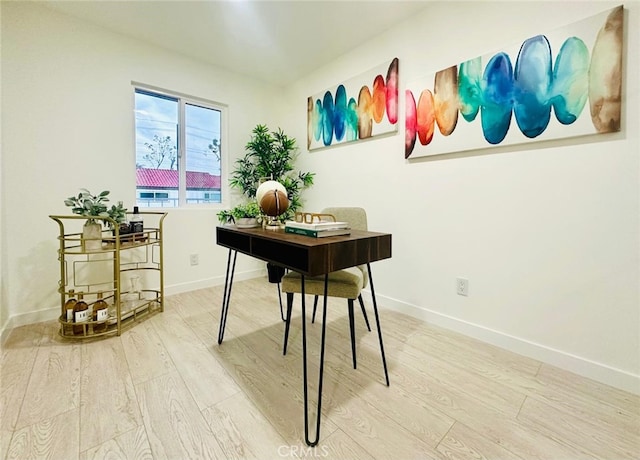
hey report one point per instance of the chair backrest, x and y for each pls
(357, 217)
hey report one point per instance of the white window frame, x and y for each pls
(183, 100)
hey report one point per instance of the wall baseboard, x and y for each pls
(587, 368)
(32, 317)
(49, 314)
(211, 282)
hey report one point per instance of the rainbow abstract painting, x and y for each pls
(574, 73)
(363, 107)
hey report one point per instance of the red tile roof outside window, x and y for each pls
(168, 178)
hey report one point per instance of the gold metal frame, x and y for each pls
(71, 248)
(312, 217)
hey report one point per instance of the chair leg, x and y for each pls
(364, 312)
(315, 306)
(352, 329)
(287, 321)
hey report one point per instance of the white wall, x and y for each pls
(547, 234)
(3, 302)
(68, 123)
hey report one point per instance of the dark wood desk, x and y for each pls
(306, 255)
(309, 257)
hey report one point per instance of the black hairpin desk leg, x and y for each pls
(226, 296)
(280, 299)
(304, 365)
(375, 310)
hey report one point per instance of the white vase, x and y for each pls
(92, 237)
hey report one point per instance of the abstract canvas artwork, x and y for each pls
(560, 84)
(360, 108)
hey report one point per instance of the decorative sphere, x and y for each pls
(274, 203)
(269, 185)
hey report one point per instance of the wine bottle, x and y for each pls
(100, 314)
(67, 329)
(68, 306)
(136, 224)
(80, 315)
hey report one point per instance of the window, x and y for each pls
(178, 150)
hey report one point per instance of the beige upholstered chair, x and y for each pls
(347, 283)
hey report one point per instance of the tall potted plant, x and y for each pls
(269, 155)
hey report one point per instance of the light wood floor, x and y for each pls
(166, 390)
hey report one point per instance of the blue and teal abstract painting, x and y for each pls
(539, 90)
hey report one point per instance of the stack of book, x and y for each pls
(317, 229)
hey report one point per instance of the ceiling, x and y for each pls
(274, 41)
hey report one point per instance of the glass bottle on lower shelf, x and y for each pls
(100, 314)
(80, 315)
(69, 312)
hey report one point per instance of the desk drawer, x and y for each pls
(233, 240)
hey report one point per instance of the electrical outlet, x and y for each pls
(194, 259)
(462, 286)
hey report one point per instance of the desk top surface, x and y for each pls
(291, 238)
(307, 255)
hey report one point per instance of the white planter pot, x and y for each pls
(92, 237)
(246, 222)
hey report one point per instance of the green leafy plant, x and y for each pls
(269, 155)
(118, 213)
(250, 209)
(89, 205)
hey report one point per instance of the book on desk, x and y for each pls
(318, 225)
(322, 233)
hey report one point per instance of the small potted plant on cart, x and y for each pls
(95, 208)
